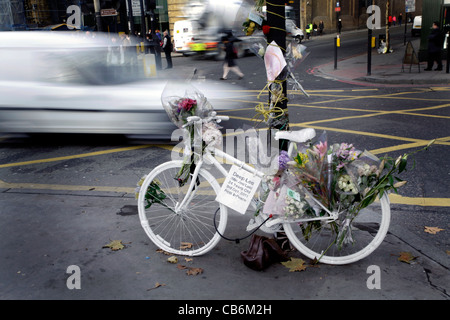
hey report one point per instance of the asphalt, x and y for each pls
(45, 232)
(387, 69)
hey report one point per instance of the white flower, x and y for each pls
(345, 183)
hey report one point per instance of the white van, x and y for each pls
(183, 34)
(417, 26)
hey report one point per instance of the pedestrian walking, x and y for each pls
(229, 63)
(167, 47)
(400, 18)
(435, 43)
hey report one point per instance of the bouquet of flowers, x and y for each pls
(319, 179)
(181, 103)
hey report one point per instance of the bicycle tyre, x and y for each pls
(190, 231)
(369, 229)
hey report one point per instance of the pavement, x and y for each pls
(52, 238)
(385, 69)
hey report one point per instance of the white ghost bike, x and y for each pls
(187, 220)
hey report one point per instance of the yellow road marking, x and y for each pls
(394, 198)
(63, 187)
(424, 202)
(75, 156)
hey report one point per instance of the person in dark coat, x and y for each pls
(167, 47)
(435, 43)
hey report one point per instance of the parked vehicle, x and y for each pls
(68, 82)
(184, 31)
(417, 26)
(293, 31)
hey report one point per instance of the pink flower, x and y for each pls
(186, 104)
(321, 148)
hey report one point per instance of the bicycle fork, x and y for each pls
(191, 190)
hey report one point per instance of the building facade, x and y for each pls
(31, 14)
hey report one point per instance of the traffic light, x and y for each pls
(150, 4)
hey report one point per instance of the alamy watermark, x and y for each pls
(74, 280)
(374, 280)
(255, 147)
(374, 19)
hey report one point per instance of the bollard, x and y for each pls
(448, 53)
(370, 45)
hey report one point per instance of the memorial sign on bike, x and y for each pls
(238, 189)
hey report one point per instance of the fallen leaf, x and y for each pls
(172, 259)
(406, 257)
(157, 285)
(188, 259)
(194, 271)
(432, 230)
(163, 252)
(186, 245)
(115, 245)
(181, 267)
(295, 264)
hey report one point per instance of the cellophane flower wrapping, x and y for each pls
(295, 54)
(319, 178)
(181, 102)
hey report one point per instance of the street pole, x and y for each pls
(98, 17)
(335, 52)
(388, 40)
(141, 2)
(369, 52)
(155, 43)
(130, 17)
(276, 19)
(369, 45)
(406, 22)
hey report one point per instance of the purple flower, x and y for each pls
(283, 159)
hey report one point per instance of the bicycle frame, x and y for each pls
(209, 157)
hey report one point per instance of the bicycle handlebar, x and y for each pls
(213, 117)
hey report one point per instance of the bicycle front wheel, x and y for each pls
(184, 231)
(324, 241)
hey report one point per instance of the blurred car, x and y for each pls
(75, 82)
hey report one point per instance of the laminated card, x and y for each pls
(238, 189)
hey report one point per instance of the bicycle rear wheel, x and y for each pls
(186, 231)
(367, 231)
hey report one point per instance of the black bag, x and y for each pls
(262, 252)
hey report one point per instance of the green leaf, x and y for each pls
(391, 180)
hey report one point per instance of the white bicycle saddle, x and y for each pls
(296, 136)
